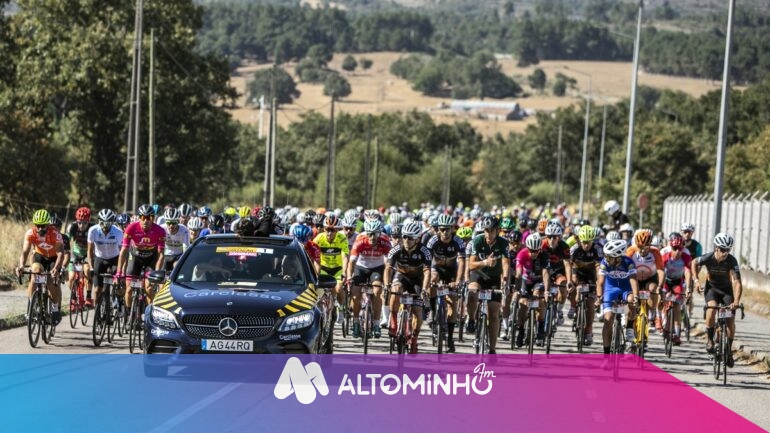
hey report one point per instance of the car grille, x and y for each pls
(207, 326)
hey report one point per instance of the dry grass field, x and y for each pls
(378, 91)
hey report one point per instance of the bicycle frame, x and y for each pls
(39, 309)
(721, 348)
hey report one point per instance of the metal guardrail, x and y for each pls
(745, 216)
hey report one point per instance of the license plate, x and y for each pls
(485, 295)
(584, 288)
(533, 304)
(368, 290)
(227, 345)
(407, 300)
(724, 314)
(78, 268)
(619, 310)
(442, 292)
(137, 284)
(644, 295)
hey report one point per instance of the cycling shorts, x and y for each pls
(719, 295)
(335, 272)
(362, 275)
(488, 284)
(613, 294)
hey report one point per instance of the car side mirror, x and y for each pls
(327, 282)
(157, 277)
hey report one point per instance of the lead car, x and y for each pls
(232, 294)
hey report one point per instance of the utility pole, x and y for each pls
(447, 181)
(723, 112)
(376, 170)
(367, 158)
(268, 148)
(632, 110)
(558, 167)
(138, 116)
(601, 157)
(151, 128)
(136, 66)
(273, 145)
(330, 161)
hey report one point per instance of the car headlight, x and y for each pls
(297, 321)
(164, 318)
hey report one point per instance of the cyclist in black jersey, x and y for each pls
(448, 266)
(585, 257)
(723, 286)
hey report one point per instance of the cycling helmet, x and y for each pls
(204, 212)
(332, 221)
(395, 232)
(514, 236)
(476, 214)
(266, 213)
(217, 222)
(507, 224)
(349, 221)
(301, 219)
(615, 248)
(106, 215)
(687, 227)
(413, 229)
(302, 232)
(433, 221)
(643, 238)
(185, 209)
(318, 220)
(531, 224)
(626, 228)
(230, 212)
(372, 226)
(489, 222)
(541, 225)
(479, 227)
(613, 235)
(371, 214)
(534, 242)
(724, 240)
(145, 210)
(676, 241)
(554, 230)
(41, 217)
(587, 234)
(122, 219)
(611, 207)
(83, 214)
(445, 220)
(465, 233)
(395, 219)
(56, 222)
(195, 223)
(657, 242)
(156, 208)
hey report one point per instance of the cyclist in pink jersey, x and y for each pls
(145, 240)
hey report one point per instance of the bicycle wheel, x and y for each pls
(133, 323)
(531, 330)
(346, 316)
(580, 321)
(461, 316)
(513, 322)
(34, 319)
(74, 308)
(115, 322)
(617, 348)
(725, 354)
(84, 311)
(47, 323)
(685, 321)
(669, 332)
(550, 326)
(640, 328)
(441, 332)
(717, 356)
(366, 327)
(100, 320)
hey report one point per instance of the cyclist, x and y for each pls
(145, 241)
(532, 277)
(723, 286)
(367, 265)
(48, 256)
(185, 213)
(304, 234)
(490, 266)
(693, 247)
(122, 221)
(104, 241)
(558, 255)
(676, 266)
(204, 214)
(448, 252)
(349, 229)
(617, 217)
(585, 257)
(78, 235)
(511, 295)
(627, 233)
(407, 269)
(177, 238)
(334, 254)
(649, 274)
(195, 227)
(616, 281)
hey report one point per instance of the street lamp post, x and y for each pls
(585, 142)
(632, 109)
(724, 110)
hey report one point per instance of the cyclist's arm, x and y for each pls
(695, 268)
(350, 264)
(634, 286)
(568, 271)
(506, 275)
(547, 279)
(90, 254)
(26, 247)
(388, 274)
(737, 288)
(599, 286)
(425, 278)
(122, 258)
(460, 270)
(476, 263)
(59, 248)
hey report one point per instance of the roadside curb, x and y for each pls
(12, 322)
(760, 355)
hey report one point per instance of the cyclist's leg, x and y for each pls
(712, 298)
(494, 317)
(610, 295)
(395, 299)
(653, 313)
(376, 280)
(572, 296)
(133, 269)
(87, 274)
(473, 300)
(561, 298)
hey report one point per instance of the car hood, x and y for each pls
(235, 299)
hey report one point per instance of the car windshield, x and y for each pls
(229, 264)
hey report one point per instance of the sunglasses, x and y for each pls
(490, 230)
(553, 237)
(330, 230)
(105, 224)
(347, 229)
(146, 217)
(723, 250)
(171, 224)
(687, 232)
(409, 238)
(531, 251)
(443, 229)
(82, 223)
(41, 226)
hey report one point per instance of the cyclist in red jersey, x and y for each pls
(367, 265)
(146, 241)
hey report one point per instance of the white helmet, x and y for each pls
(615, 248)
(612, 235)
(553, 230)
(687, 227)
(611, 207)
(106, 215)
(724, 240)
(195, 223)
(395, 219)
(412, 229)
(626, 228)
(534, 241)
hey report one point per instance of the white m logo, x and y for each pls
(301, 381)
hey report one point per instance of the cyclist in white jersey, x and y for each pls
(104, 240)
(177, 238)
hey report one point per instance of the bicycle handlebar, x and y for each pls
(719, 307)
(27, 271)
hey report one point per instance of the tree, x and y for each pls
(264, 80)
(537, 80)
(320, 54)
(337, 86)
(349, 63)
(366, 63)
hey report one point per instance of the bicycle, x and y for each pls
(366, 315)
(618, 340)
(439, 324)
(77, 298)
(668, 330)
(481, 342)
(551, 316)
(721, 348)
(641, 323)
(135, 322)
(118, 315)
(461, 310)
(344, 311)
(581, 314)
(103, 318)
(39, 318)
(513, 319)
(403, 339)
(533, 304)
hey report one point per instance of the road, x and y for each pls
(746, 392)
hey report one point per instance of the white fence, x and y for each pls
(746, 217)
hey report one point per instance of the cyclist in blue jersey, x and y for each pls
(616, 281)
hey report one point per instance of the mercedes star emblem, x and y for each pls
(228, 326)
